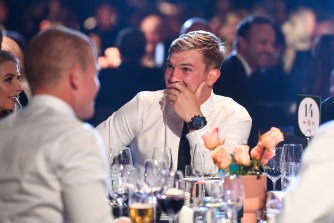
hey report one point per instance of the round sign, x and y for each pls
(308, 116)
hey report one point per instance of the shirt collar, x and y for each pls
(54, 103)
(244, 63)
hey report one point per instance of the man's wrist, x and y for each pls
(197, 122)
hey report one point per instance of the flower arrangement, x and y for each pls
(240, 162)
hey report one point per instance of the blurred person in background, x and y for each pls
(298, 31)
(113, 94)
(10, 85)
(193, 24)
(227, 29)
(327, 106)
(152, 26)
(321, 66)
(254, 49)
(271, 87)
(103, 27)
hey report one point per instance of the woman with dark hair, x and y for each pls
(322, 64)
(10, 85)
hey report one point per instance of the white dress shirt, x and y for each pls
(312, 198)
(149, 125)
(52, 166)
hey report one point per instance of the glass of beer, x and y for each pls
(141, 205)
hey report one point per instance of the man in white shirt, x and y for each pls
(52, 165)
(311, 199)
(152, 122)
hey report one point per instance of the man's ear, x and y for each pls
(213, 76)
(74, 77)
(242, 44)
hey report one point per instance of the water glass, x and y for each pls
(193, 171)
(291, 172)
(234, 195)
(163, 154)
(273, 167)
(292, 153)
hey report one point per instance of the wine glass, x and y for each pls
(141, 205)
(172, 195)
(121, 179)
(273, 167)
(154, 174)
(120, 156)
(234, 195)
(163, 154)
(208, 204)
(291, 153)
(291, 172)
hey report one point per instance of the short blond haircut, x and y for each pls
(208, 44)
(54, 51)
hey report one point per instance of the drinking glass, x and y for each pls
(291, 153)
(120, 156)
(121, 180)
(193, 171)
(155, 173)
(234, 195)
(172, 195)
(273, 167)
(163, 154)
(141, 205)
(291, 172)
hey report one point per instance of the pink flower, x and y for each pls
(211, 139)
(256, 154)
(271, 138)
(221, 157)
(241, 155)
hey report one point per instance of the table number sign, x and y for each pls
(308, 108)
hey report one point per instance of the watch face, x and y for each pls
(198, 122)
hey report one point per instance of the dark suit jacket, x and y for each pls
(327, 110)
(233, 82)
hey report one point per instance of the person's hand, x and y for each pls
(122, 220)
(185, 103)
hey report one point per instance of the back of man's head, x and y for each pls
(208, 44)
(131, 44)
(52, 53)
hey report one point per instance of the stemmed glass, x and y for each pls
(172, 195)
(234, 195)
(155, 173)
(273, 167)
(121, 180)
(163, 154)
(291, 156)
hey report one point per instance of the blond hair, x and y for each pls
(208, 44)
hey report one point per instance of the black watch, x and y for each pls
(197, 122)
